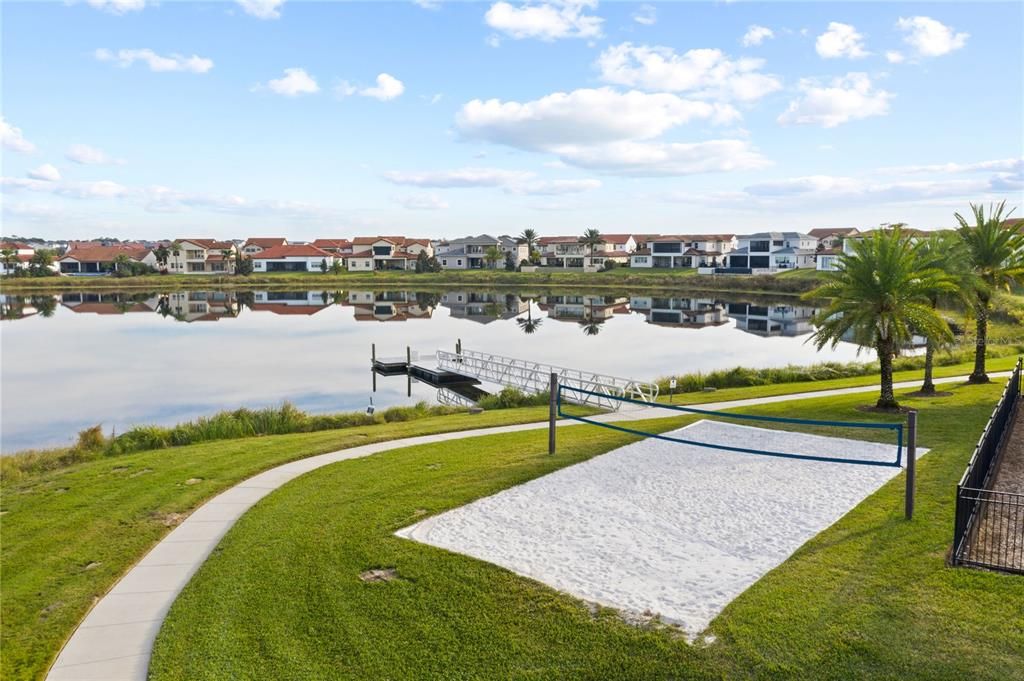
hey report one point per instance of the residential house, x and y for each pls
(583, 308)
(469, 253)
(830, 238)
(107, 303)
(684, 251)
(340, 248)
(198, 306)
(202, 256)
(568, 251)
(87, 258)
(371, 253)
(292, 258)
(258, 244)
(773, 251)
(19, 259)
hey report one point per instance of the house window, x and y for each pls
(667, 248)
(382, 250)
(640, 259)
(460, 261)
(445, 262)
(777, 243)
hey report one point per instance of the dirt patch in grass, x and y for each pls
(142, 472)
(937, 393)
(193, 481)
(379, 575)
(870, 409)
(169, 519)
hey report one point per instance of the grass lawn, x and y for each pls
(868, 598)
(68, 535)
(993, 364)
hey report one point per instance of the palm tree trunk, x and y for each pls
(928, 387)
(887, 398)
(979, 375)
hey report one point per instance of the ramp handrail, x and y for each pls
(596, 388)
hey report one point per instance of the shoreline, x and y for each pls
(743, 284)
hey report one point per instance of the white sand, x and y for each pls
(677, 530)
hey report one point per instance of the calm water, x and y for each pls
(75, 360)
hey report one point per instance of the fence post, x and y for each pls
(911, 463)
(408, 371)
(552, 412)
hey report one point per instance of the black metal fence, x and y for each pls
(989, 525)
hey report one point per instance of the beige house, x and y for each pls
(371, 253)
(201, 256)
(258, 244)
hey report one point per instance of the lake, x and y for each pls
(77, 359)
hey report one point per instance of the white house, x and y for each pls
(773, 251)
(568, 251)
(90, 259)
(689, 312)
(371, 253)
(469, 253)
(19, 259)
(684, 251)
(292, 258)
(481, 307)
(389, 306)
(341, 248)
(773, 320)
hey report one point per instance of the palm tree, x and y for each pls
(591, 238)
(121, 261)
(9, 256)
(528, 237)
(946, 251)
(996, 256)
(492, 255)
(880, 297)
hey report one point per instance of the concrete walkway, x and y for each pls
(115, 640)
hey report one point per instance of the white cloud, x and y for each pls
(388, 87)
(46, 172)
(847, 98)
(998, 165)
(554, 187)
(262, 9)
(102, 189)
(849, 189)
(606, 130)
(156, 62)
(436, 98)
(117, 6)
(647, 15)
(428, 4)
(463, 177)
(756, 35)
(648, 159)
(11, 138)
(423, 202)
(86, 155)
(703, 72)
(930, 38)
(493, 40)
(545, 21)
(894, 57)
(581, 117)
(840, 40)
(511, 181)
(293, 83)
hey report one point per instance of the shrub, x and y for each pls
(512, 398)
(91, 439)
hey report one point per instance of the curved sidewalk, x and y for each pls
(115, 640)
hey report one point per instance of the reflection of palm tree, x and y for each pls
(591, 326)
(163, 307)
(46, 305)
(528, 325)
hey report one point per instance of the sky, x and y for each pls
(143, 119)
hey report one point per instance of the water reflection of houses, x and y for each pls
(687, 312)
(290, 302)
(575, 308)
(390, 306)
(108, 303)
(482, 307)
(17, 307)
(773, 320)
(198, 306)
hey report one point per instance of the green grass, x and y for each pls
(636, 279)
(868, 598)
(69, 534)
(728, 394)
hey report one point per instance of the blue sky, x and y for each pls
(133, 118)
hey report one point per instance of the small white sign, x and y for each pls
(672, 384)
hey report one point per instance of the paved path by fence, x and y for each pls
(115, 640)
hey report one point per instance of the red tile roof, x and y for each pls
(292, 251)
(265, 241)
(209, 244)
(281, 308)
(16, 245)
(84, 253)
(340, 244)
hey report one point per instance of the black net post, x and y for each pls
(908, 508)
(552, 412)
